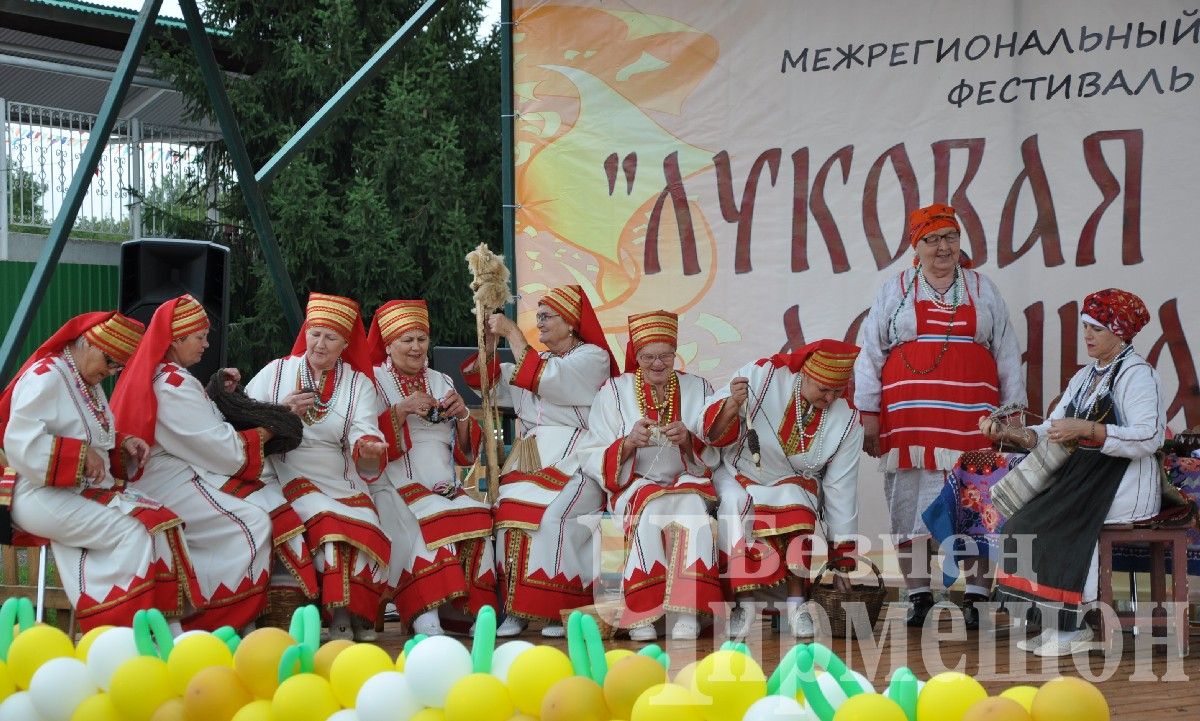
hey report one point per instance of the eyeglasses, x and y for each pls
(113, 364)
(664, 358)
(932, 241)
(545, 317)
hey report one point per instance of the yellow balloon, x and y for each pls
(1069, 699)
(323, 658)
(139, 686)
(1022, 695)
(869, 707)
(531, 675)
(259, 710)
(478, 697)
(726, 683)
(85, 643)
(400, 662)
(34, 647)
(172, 710)
(194, 653)
(304, 697)
(617, 654)
(628, 679)
(575, 699)
(257, 659)
(666, 702)
(684, 677)
(996, 708)
(432, 714)
(97, 708)
(947, 696)
(215, 693)
(7, 686)
(353, 666)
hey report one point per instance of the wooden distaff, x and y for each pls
(489, 281)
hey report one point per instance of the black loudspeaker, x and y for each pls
(155, 270)
(449, 360)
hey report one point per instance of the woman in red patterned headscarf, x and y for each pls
(938, 353)
(1113, 412)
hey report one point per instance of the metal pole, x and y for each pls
(335, 105)
(60, 229)
(5, 198)
(135, 177)
(251, 190)
(507, 172)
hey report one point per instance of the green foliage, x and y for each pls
(25, 198)
(388, 199)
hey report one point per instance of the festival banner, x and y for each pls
(750, 165)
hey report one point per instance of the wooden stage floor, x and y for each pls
(1141, 681)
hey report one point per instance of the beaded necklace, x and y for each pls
(1099, 383)
(407, 385)
(95, 405)
(805, 412)
(958, 286)
(320, 408)
(667, 407)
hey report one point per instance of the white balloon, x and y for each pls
(110, 649)
(59, 686)
(504, 655)
(777, 708)
(833, 692)
(434, 666)
(346, 714)
(19, 707)
(386, 696)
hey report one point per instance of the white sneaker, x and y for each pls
(1032, 643)
(801, 621)
(512, 626)
(686, 628)
(553, 630)
(428, 623)
(1065, 644)
(643, 634)
(740, 619)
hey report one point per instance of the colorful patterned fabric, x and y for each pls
(334, 312)
(118, 337)
(931, 218)
(656, 326)
(393, 319)
(1120, 311)
(188, 317)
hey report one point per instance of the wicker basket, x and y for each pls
(282, 602)
(833, 600)
(607, 616)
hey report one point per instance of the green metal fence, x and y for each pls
(74, 289)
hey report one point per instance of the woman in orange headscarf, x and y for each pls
(544, 547)
(441, 537)
(938, 354)
(649, 454)
(118, 551)
(328, 382)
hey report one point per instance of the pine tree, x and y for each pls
(388, 199)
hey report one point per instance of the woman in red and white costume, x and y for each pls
(938, 354)
(328, 382)
(650, 457)
(194, 454)
(117, 551)
(544, 547)
(441, 537)
(809, 442)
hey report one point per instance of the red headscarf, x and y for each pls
(829, 362)
(656, 326)
(99, 328)
(340, 315)
(573, 305)
(133, 402)
(1118, 310)
(930, 219)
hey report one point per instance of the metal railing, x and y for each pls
(153, 180)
